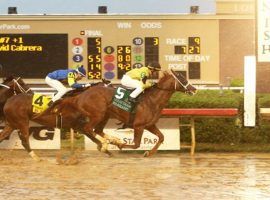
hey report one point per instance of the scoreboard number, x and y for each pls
(194, 45)
(94, 58)
(123, 60)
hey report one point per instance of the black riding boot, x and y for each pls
(132, 100)
(50, 103)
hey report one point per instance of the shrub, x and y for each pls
(222, 130)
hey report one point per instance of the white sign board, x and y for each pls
(40, 138)
(250, 91)
(168, 126)
(263, 22)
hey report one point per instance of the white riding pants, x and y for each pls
(132, 83)
(61, 89)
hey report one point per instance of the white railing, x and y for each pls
(199, 87)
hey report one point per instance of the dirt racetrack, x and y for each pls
(92, 175)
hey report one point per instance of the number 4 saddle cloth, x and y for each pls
(40, 102)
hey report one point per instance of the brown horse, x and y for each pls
(11, 86)
(19, 116)
(96, 105)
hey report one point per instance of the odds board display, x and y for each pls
(109, 46)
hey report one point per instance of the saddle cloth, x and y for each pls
(40, 102)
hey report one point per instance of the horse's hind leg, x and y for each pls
(6, 132)
(153, 129)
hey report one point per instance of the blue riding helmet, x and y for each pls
(81, 70)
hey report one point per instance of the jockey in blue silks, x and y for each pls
(54, 79)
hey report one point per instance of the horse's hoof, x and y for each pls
(99, 148)
(109, 154)
(104, 148)
(34, 156)
(120, 146)
(146, 154)
(37, 159)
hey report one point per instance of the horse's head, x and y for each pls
(16, 85)
(175, 81)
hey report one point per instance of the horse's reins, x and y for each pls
(15, 83)
(19, 86)
(5, 86)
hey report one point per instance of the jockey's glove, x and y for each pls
(87, 85)
(147, 84)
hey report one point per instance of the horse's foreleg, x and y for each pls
(24, 136)
(6, 132)
(88, 131)
(111, 139)
(153, 129)
(114, 140)
(91, 137)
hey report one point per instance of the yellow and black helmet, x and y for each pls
(154, 66)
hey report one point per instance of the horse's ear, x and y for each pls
(8, 78)
(105, 81)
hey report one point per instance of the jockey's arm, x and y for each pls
(145, 83)
(148, 84)
(72, 81)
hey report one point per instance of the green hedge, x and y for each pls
(263, 100)
(207, 99)
(222, 130)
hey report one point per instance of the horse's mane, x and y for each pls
(72, 93)
(165, 75)
(8, 79)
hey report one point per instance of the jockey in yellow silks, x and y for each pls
(137, 78)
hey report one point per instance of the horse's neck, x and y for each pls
(160, 98)
(5, 94)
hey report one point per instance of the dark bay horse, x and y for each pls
(98, 108)
(18, 113)
(9, 87)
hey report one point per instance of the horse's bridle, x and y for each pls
(177, 80)
(16, 83)
(175, 85)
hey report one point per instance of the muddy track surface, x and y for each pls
(92, 175)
